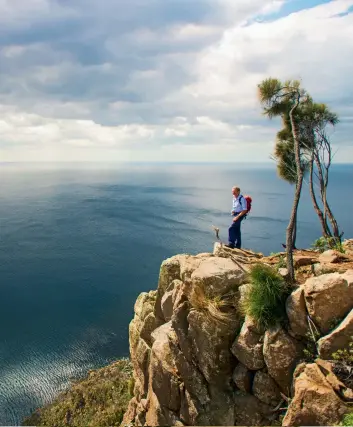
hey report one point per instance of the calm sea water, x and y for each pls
(77, 245)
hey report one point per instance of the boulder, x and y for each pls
(248, 346)
(217, 276)
(144, 304)
(329, 296)
(180, 325)
(148, 326)
(218, 249)
(243, 378)
(169, 271)
(243, 289)
(191, 410)
(331, 257)
(249, 411)
(179, 294)
(338, 339)
(297, 314)
(327, 368)
(220, 410)
(167, 305)
(194, 382)
(319, 269)
(281, 353)
(211, 340)
(303, 260)
(284, 273)
(164, 382)
(266, 389)
(140, 358)
(178, 267)
(158, 415)
(314, 401)
(189, 264)
(130, 413)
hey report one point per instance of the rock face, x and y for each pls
(339, 338)
(297, 314)
(266, 389)
(331, 257)
(217, 276)
(243, 378)
(315, 403)
(248, 347)
(281, 353)
(198, 361)
(329, 297)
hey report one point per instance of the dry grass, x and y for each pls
(221, 308)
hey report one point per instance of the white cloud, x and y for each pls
(23, 128)
(184, 90)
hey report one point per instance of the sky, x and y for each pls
(164, 80)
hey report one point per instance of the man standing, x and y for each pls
(238, 212)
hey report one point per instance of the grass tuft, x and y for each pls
(220, 308)
(265, 299)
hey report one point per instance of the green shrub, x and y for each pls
(264, 302)
(325, 243)
(348, 419)
(99, 400)
(345, 355)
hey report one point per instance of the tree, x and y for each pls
(314, 119)
(302, 145)
(280, 99)
(285, 158)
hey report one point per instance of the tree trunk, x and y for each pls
(290, 228)
(294, 234)
(326, 232)
(327, 210)
(298, 189)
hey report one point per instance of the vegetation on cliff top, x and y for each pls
(99, 400)
(265, 300)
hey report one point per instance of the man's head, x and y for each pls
(235, 191)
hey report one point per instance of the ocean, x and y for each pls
(78, 243)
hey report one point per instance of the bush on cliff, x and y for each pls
(265, 299)
(348, 419)
(99, 400)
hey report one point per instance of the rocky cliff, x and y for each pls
(199, 360)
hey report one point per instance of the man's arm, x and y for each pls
(242, 213)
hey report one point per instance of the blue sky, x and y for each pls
(158, 80)
(292, 6)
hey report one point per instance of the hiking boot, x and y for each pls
(229, 246)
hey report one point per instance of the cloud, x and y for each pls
(135, 79)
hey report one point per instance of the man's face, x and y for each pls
(235, 192)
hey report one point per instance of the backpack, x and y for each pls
(248, 200)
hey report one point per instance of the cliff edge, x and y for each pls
(199, 359)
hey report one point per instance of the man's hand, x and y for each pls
(235, 219)
(232, 213)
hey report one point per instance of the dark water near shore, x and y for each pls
(77, 245)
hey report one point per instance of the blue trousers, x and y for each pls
(234, 233)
